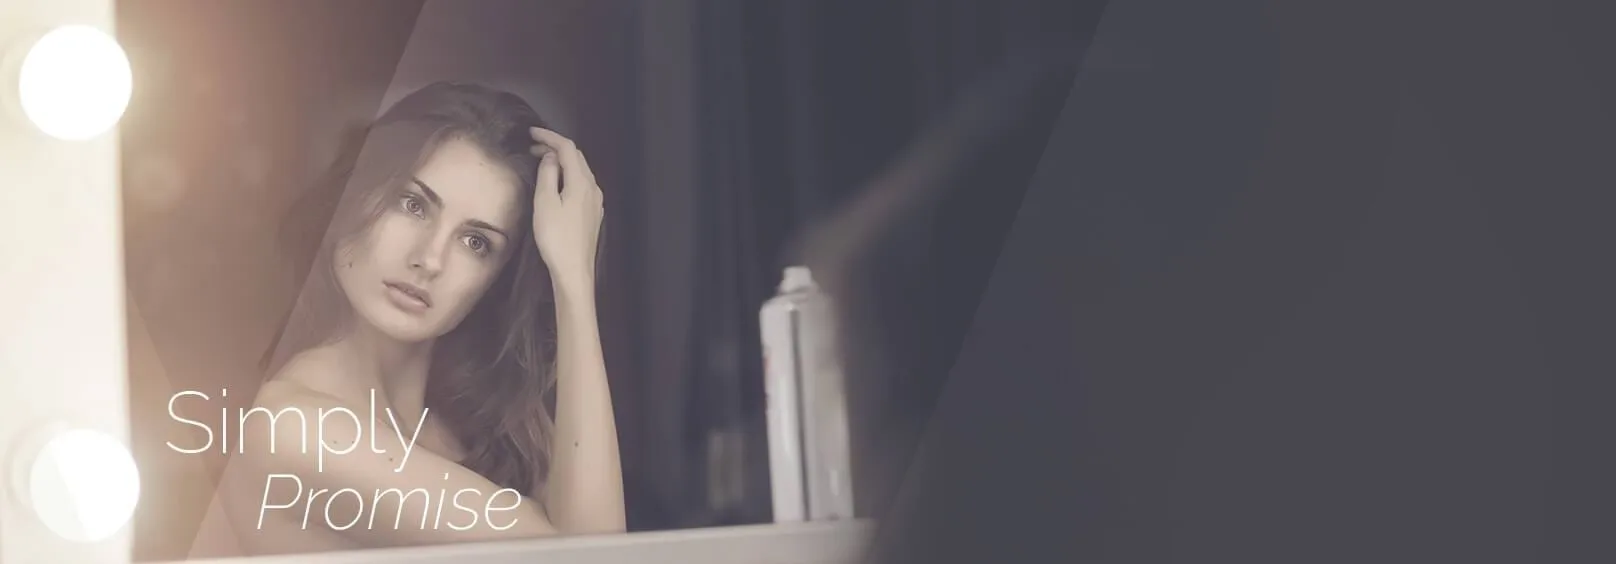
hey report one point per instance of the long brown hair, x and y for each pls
(491, 375)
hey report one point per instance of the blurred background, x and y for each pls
(731, 138)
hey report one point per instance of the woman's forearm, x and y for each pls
(585, 489)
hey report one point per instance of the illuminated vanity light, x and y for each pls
(74, 83)
(82, 484)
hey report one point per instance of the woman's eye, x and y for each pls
(412, 205)
(478, 244)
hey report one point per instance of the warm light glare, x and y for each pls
(84, 485)
(75, 82)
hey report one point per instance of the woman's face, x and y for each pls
(439, 243)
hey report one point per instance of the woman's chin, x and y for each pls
(401, 326)
(410, 333)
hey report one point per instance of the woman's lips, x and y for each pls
(408, 297)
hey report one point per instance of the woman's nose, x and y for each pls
(425, 266)
(428, 256)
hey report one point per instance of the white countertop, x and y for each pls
(804, 543)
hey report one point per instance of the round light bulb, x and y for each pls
(83, 485)
(74, 83)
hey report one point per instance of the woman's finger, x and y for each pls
(588, 170)
(575, 170)
(547, 189)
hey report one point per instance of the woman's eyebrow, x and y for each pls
(431, 194)
(480, 224)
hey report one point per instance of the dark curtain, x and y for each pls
(790, 112)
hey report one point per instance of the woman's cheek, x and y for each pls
(475, 277)
(392, 227)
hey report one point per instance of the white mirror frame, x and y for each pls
(63, 361)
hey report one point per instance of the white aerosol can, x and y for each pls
(809, 452)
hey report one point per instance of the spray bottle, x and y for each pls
(809, 451)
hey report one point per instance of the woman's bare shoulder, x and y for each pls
(289, 417)
(305, 381)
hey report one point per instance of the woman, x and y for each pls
(449, 304)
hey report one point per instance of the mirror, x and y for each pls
(340, 242)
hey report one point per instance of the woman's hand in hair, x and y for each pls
(567, 210)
